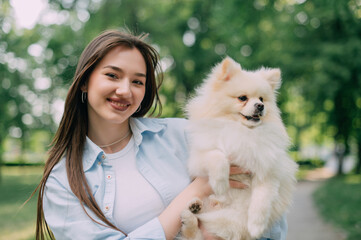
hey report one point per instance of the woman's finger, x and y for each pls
(234, 170)
(236, 184)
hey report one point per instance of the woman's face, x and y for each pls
(116, 87)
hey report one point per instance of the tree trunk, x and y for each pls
(358, 165)
(1, 160)
(340, 154)
(1, 175)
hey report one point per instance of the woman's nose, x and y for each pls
(123, 88)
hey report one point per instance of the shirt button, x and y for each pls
(99, 163)
(103, 156)
(106, 208)
(109, 176)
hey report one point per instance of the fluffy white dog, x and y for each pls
(234, 120)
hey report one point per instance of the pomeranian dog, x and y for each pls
(234, 120)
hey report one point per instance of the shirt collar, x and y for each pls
(90, 154)
(138, 126)
(141, 125)
(146, 124)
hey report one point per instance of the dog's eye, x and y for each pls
(243, 98)
(261, 99)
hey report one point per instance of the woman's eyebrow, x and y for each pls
(115, 68)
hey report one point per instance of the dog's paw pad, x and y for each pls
(195, 206)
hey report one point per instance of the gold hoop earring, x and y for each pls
(83, 97)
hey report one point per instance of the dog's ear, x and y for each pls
(273, 76)
(227, 68)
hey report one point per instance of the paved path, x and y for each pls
(304, 223)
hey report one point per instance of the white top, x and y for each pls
(136, 201)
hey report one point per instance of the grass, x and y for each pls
(339, 202)
(16, 186)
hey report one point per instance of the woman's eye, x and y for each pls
(261, 99)
(111, 75)
(138, 82)
(243, 98)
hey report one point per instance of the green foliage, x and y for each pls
(308, 164)
(339, 202)
(316, 44)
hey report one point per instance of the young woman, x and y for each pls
(112, 174)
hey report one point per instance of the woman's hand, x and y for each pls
(205, 189)
(235, 170)
(200, 188)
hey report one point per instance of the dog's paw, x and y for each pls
(220, 186)
(189, 227)
(256, 229)
(218, 201)
(189, 220)
(218, 173)
(195, 206)
(214, 202)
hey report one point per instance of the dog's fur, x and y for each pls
(234, 120)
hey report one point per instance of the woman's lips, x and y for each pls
(120, 105)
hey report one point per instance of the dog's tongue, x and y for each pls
(255, 118)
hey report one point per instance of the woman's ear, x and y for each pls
(84, 88)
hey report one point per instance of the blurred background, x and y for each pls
(316, 44)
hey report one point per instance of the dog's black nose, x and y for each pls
(259, 106)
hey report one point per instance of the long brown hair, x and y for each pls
(70, 137)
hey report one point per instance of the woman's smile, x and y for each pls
(118, 104)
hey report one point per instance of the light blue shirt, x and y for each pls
(161, 155)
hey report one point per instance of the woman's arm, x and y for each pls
(170, 218)
(67, 219)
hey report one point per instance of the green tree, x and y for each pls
(12, 69)
(315, 43)
(329, 37)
